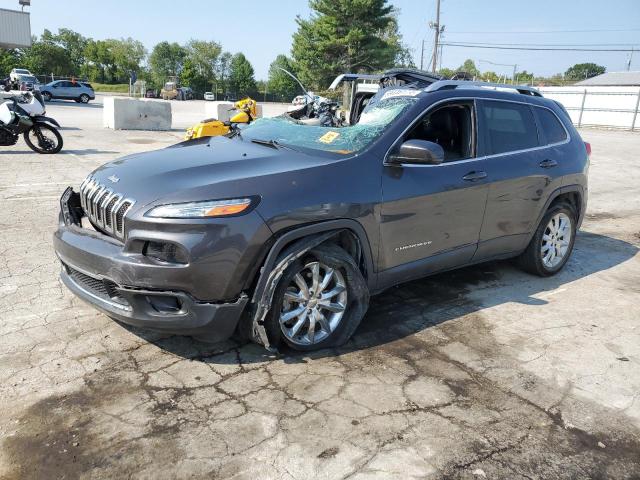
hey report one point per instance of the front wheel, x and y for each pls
(84, 98)
(552, 243)
(319, 301)
(46, 96)
(43, 138)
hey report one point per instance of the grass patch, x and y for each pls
(117, 88)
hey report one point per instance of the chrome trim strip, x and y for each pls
(126, 308)
(466, 160)
(94, 198)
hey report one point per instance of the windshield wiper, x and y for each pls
(268, 143)
(273, 144)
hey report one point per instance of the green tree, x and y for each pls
(241, 81)
(279, 82)
(403, 56)
(166, 60)
(199, 66)
(447, 73)
(222, 71)
(344, 36)
(524, 77)
(490, 76)
(75, 45)
(580, 71)
(469, 67)
(45, 56)
(127, 55)
(8, 59)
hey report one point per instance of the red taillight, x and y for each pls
(588, 147)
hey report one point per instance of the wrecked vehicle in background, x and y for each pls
(282, 232)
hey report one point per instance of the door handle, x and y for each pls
(474, 176)
(548, 163)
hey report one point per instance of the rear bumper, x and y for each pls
(95, 270)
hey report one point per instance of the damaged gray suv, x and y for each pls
(282, 232)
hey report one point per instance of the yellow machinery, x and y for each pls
(247, 111)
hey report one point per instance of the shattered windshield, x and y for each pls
(345, 140)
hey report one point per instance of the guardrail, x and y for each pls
(611, 107)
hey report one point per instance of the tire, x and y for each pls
(47, 96)
(56, 145)
(84, 98)
(532, 259)
(334, 329)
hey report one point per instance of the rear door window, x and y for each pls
(508, 127)
(552, 129)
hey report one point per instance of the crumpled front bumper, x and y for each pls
(87, 260)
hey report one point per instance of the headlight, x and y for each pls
(209, 208)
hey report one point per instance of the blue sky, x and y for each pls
(262, 29)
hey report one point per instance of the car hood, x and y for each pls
(208, 168)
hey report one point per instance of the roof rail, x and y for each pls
(453, 84)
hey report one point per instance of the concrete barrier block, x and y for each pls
(136, 114)
(218, 110)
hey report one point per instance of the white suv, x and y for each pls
(16, 72)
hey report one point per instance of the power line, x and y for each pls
(506, 32)
(510, 44)
(495, 47)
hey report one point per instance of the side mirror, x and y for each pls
(418, 152)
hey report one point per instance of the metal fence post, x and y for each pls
(584, 97)
(635, 113)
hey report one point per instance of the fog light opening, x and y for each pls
(165, 303)
(165, 252)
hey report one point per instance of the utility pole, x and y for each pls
(422, 56)
(438, 30)
(630, 58)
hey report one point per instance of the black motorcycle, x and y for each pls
(23, 114)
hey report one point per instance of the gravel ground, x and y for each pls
(485, 372)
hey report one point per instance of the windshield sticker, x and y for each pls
(405, 92)
(329, 137)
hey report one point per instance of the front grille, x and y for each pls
(105, 208)
(101, 288)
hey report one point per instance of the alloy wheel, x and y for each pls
(314, 304)
(556, 240)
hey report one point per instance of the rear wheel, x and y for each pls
(319, 301)
(552, 243)
(43, 138)
(84, 98)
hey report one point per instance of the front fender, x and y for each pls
(43, 119)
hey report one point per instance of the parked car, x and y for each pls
(186, 93)
(282, 233)
(27, 82)
(68, 90)
(209, 96)
(150, 93)
(13, 75)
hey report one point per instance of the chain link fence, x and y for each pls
(610, 107)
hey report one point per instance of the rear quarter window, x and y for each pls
(552, 129)
(508, 127)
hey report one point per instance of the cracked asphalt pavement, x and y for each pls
(485, 372)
